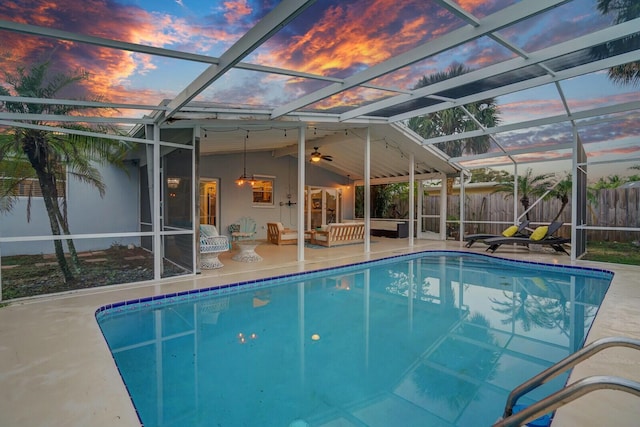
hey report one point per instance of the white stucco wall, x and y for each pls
(88, 213)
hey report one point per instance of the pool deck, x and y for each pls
(56, 368)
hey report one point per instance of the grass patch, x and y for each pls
(613, 252)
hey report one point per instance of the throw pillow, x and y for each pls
(510, 231)
(539, 233)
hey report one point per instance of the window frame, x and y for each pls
(269, 204)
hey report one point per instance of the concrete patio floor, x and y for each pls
(56, 369)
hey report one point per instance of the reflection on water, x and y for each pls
(430, 340)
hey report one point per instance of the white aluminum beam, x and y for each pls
(80, 103)
(74, 119)
(527, 84)
(88, 133)
(156, 51)
(554, 51)
(580, 115)
(279, 16)
(498, 154)
(491, 23)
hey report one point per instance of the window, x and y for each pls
(262, 190)
(19, 179)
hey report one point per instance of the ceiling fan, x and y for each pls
(316, 156)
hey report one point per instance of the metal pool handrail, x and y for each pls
(566, 363)
(569, 394)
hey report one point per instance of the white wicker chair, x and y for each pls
(211, 245)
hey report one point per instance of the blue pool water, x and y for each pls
(430, 339)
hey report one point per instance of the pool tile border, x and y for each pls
(236, 287)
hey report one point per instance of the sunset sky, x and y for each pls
(331, 38)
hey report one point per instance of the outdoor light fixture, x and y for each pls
(244, 178)
(173, 183)
(316, 157)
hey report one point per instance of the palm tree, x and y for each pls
(531, 311)
(562, 191)
(528, 186)
(455, 120)
(611, 181)
(625, 10)
(52, 156)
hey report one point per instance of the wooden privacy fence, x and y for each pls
(617, 207)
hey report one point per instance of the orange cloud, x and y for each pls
(110, 70)
(236, 10)
(346, 36)
(472, 6)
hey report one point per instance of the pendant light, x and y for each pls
(244, 178)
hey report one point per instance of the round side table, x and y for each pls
(247, 252)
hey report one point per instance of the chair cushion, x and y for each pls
(290, 235)
(539, 233)
(321, 237)
(280, 226)
(208, 230)
(508, 232)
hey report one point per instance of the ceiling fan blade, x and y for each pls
(327, 158)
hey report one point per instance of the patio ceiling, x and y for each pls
(264, 84)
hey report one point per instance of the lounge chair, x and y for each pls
(278, 235)
(542, 235)
(513, 231)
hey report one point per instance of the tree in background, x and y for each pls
(529, 185)
(562, 192)
(634, 177)
(488, 175)
(455, 120)
(385, 200)
(52, 157)
(611, 181)
(624, 10)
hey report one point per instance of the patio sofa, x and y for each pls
(389, 228)
(339, 234)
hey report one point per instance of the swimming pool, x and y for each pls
(428, 339)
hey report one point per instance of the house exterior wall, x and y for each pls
(119, 210)
(88, 214)
(236, 202)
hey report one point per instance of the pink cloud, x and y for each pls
(236, 10)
